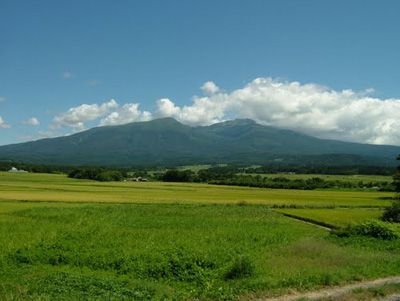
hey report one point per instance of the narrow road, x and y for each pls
(392, 298)
(336, 292)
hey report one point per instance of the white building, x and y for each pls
(13, 169)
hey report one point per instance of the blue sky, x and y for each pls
(57, 55)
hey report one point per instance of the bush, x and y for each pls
(396, 178)
(174, 175)
(376, 229)
(110, 175)
(97, 174)
(240, 268)
(392, 213)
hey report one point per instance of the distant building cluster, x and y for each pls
(137, 179)
(16, 170)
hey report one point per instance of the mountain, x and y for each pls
(168, 142)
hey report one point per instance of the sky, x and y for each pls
(330, 69)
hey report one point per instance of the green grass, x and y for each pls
(367, 294)
(67, 239)
(339, 217)
(147, 251)
(44, 187)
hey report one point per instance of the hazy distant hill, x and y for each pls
(168, 142)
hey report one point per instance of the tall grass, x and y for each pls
(56, 251)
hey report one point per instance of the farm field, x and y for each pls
(66, 239)
(47, 187)
(338, 217)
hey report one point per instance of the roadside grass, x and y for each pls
(170, 251)
(45, 187)
(368, 294)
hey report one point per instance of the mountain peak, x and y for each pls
(237, 122)
(165, 119)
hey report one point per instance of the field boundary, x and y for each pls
(309, 221)
(335, 292)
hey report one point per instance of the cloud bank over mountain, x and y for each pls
(309, 108)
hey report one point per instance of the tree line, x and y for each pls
(98, 174)
(224, 176)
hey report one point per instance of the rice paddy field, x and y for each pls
(48, 187)
(65, 239)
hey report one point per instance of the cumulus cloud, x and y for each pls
(76, 117)
(203, 111)
(209, 88)
(127, 113)
(3, 124)
(310, 108)
(33, 121)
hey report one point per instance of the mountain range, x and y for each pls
(168, 142)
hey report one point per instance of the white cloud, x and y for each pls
(33, 121)
(67, 75)
(127, 113)
(3, 124)
(3, 98)
(309, 108)
(166, 108)
(203, 111)
(210, 88)
(77, 116)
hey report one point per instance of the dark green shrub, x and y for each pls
(174, 175)
(98, 174)
(376, 229)
(396, 178)
(240, 268)
(392, 213)
(109, 175)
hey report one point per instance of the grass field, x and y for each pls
(339, 217)
(45, 187)
(64, 239)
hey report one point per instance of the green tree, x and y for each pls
(396, 179)
(392, 213)
(174, 175)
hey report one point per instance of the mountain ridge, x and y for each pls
(168, 142)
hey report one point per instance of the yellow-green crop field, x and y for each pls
(66, 239)
(47, 187)
(336, 217)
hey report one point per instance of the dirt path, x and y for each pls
(392, 298)
(335, 292)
